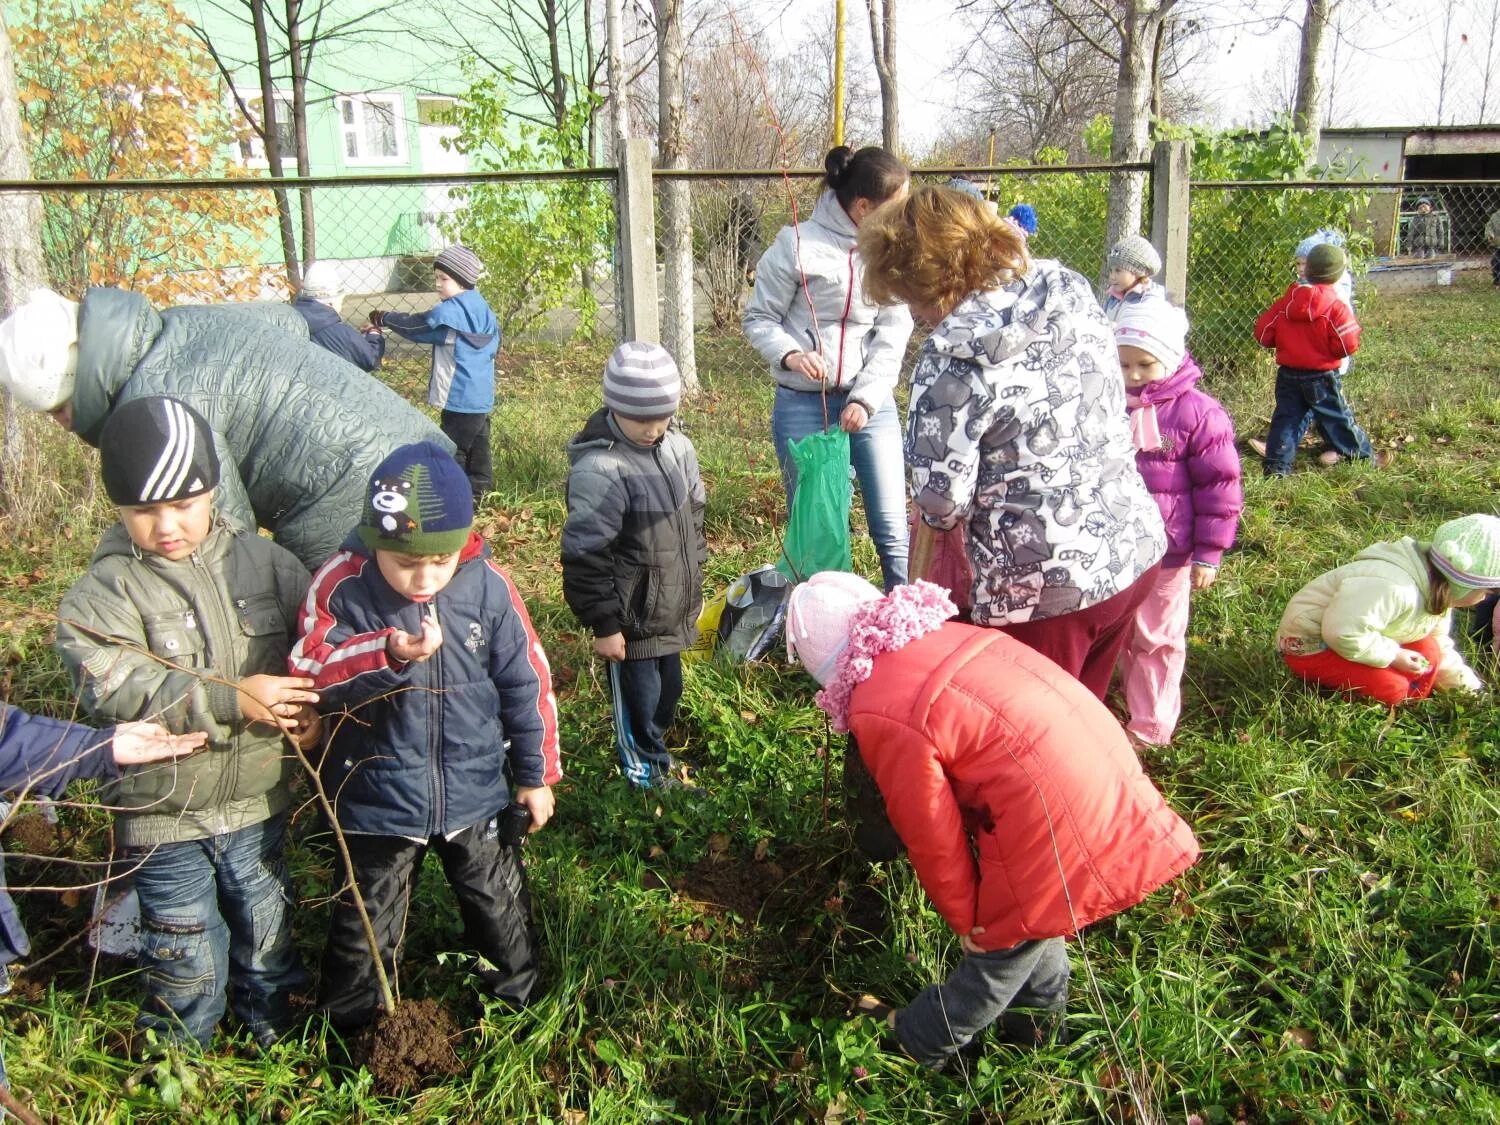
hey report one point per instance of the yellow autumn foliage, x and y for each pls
(121, 89)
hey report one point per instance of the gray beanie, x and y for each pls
(1136, 255)
(641, 381)
(461, 264)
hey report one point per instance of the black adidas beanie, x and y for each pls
(156, 450)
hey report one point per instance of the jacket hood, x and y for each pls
(1406, 553)
(115, 331)
(1308, 302)
(1183, 379)
(600, 432)
(989, 326)
(318, 315)
(829, 213)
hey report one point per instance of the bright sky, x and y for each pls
(1388, 62)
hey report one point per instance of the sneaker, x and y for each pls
(1329, 457)
(1257, 446)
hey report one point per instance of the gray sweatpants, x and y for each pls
(946, 1016)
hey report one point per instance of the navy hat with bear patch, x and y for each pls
(419, 503)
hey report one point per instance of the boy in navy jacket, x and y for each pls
(451, 726)
(464, 336)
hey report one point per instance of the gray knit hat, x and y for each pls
(461, 264)
(1136, 255)
(641, 381)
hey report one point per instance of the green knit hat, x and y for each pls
(1325, 264)
(419, 503)
(1466, 552)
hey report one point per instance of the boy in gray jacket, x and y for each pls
(633, 550)
(185, 621)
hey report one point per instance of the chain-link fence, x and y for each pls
(547, 241)
(1398, 236)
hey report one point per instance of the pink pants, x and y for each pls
(1154, 655)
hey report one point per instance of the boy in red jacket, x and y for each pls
(1312, 330)
(1020, 802)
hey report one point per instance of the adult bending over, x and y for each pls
(297, 430)
(834, 353)
(1017, 426)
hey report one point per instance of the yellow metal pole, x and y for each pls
(838, 72)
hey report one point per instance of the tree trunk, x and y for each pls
(619, 95)
(883, 45)
(1307, 108)
(300, 57)
(676, 197)
(1132, 120)
(272, 143)
(22, 268)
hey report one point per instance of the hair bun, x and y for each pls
(837, 163)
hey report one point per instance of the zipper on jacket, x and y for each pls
(230, 773)
(677, 505)
(438, 815)
(838, 377)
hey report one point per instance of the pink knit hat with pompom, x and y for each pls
(842, 624)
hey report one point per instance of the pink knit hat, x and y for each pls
(817, 619)
(847, 628)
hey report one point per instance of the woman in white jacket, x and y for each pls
(834, 354)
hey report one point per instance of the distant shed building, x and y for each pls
(1428, 157)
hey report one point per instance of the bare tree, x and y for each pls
(1307, 109)
(676, 198)
(1491, 25)
(20, 227)
(1132, 125)
(1447, 63)
(883, 47)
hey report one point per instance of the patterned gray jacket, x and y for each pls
(1017, 424)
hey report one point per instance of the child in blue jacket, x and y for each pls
(464, 336)
(450, 740)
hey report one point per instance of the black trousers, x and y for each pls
(471, 433)
(490, 883)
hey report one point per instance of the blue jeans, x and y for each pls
(1317, 396)
(217, 913)
(879, 466)
(645, 694)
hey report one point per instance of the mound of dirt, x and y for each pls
(407, 1048)
(31, 833)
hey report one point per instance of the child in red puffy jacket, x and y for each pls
(1020, 802)
(1313, 332)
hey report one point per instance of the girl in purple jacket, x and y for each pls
(1185, 451)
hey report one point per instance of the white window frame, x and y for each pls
(359, 102)
(256, 158)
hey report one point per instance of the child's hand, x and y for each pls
(810, 365)
(275, 699)
(1203, 576)
(138, 744)
(968, 942)
(309, 727)
(376, 318)
(539, 801)
(611, 648)
(1412, 663)
(406, 647)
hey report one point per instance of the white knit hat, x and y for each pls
(1154, 325)
(39, 351)
(817, 619)
(321, 282)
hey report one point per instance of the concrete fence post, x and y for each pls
(636, 202)
(1171, 169)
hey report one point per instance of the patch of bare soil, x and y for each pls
(405, 1049)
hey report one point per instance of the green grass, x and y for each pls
(1331, 958)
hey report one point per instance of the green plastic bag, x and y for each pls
(817, 532)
